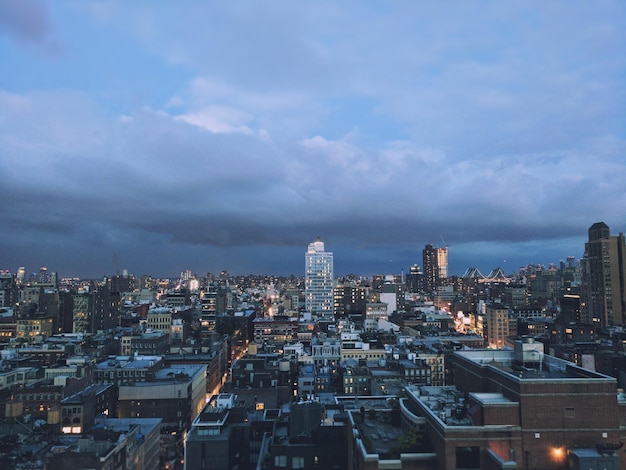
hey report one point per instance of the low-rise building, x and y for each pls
(125, 369)
(150, 343)
(79, 411)
(356, 381)
(131, 444)
(227, 435)
(174, 394)
(275, 329)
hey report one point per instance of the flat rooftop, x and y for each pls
(447, 403)
(129, 362)
(173, 371)
(544, 367)
(375, 426)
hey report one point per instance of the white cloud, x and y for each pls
(218, 119)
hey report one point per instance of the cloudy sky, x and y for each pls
(228, 135)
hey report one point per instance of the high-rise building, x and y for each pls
(435, 264)
(318, 280)
(21, 275)
(604, 278)
(415, 280)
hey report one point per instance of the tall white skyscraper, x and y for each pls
(318, 280)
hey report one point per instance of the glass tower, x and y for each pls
(318, 280)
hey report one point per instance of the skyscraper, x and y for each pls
(318, 280)
(604, 276)
(435, 263)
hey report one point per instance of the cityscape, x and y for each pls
(312, 235)
(409, 370)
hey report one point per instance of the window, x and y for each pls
(297, 462)
(280, 461)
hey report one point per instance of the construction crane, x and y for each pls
(444, 242)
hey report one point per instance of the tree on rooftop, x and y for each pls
(411, 441)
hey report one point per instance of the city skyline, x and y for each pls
(157, 139)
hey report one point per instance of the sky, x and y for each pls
(158, 136)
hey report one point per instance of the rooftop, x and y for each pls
(77, 398)
(174, 372)
(448, 404)
(146, 425)
(538, 366)
(129, 362)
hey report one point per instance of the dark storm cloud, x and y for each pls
(495, 130)
(28, 22)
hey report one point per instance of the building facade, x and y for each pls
(435, 265)
(604, 278)
(318, 280)
(520, 409)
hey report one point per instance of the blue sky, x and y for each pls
(228, 135)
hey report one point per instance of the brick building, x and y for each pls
(520, 409)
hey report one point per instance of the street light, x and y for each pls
(558, 455)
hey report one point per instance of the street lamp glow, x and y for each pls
(558, 453)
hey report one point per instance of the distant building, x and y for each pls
(435, 263)
(208, 312)
(276, 329)
(604, 278)
(159, 319)
(151, 343)
(318, 280)
(33, 326)
(375, 311)
(356, 381)
(125, 369)
(79, 411)
(515, 295)
(570, 308)
(8, 326)
(313, 437)
(392, 293)
(131, 444)
(38, 399)
(176, 394)
(415, 280)
(225, 435)
(497, 319)
(349, 299)
(8, 289)
(178, 300)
